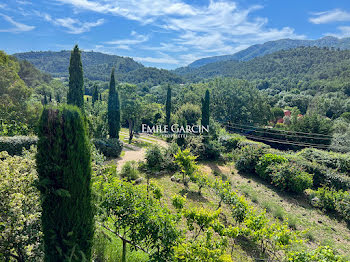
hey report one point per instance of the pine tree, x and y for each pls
(113, 109)
(168, 107)
(75, 94)
(205, 109)
(94, 94)
(64, 171)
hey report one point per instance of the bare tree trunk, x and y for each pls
(131, 133)
(124, 251)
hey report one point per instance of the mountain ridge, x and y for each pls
(271, 47)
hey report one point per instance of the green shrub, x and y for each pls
(154, 158)
(322, 253)
(230, 142)
(340, 162)
(331, 201)
(322, 176)
(246, 142)
(111, 147)
(14, 145)
(20, 227)
(324, 198)
(267, 160)
(130, 171)
(161, 159)
(248, 157)
(343, 206)
(64, 171)
(204, 149)
(289, 176)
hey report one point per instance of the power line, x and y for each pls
(322, 146)
(278, 130)
(267, 132)
(295, 143)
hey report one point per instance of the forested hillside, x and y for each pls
(301, 63)
(97, 66)
(274, 46)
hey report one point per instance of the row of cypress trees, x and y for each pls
(64, 167)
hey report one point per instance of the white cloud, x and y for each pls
(23, 2)
(344, 32)
(166, 47)
(140, 10)
(73, 25)
(221, 27)
(158, 60)
(336, 15)
(137, 39)
(18, 27)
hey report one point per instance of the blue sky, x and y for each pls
(165, 33)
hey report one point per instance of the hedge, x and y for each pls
(340, 162)
(14, 144)
(323, 176)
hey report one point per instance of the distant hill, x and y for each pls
(98, 66)
(300, 63)
(271, 47)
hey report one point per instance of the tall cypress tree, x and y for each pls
(45, 100)
(94, 94)
(168, 107)
(117, 103)
(205, 109)
(75, 94)
(113, 109)
(64, 170)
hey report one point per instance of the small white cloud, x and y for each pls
(123, 47)
(336, 15)
(23, 2)
(18, 27)
(160, 58)
(73, 25)
(344, 32)
(157, 60)
(137, 39)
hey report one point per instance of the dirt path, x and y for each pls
(132, 152)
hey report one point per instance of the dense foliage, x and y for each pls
(64, 171)
(20, 228)
(14, 145)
